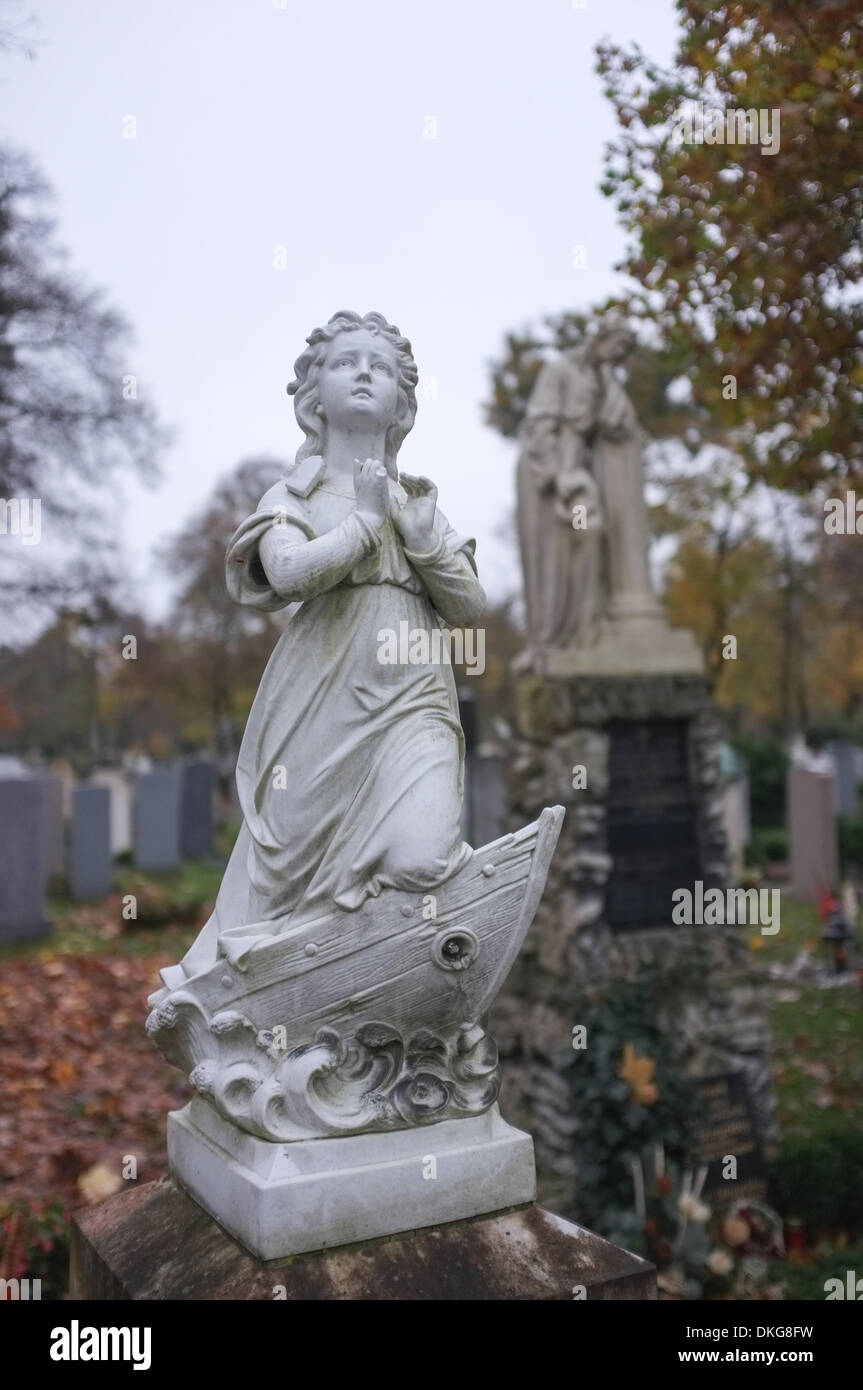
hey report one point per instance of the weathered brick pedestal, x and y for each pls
(156, 1243)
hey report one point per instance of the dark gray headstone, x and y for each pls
(651, 822)
(157, 819)
(53, 825)
(196, 810)
(487, 798)
(90, 843)
(22, 860)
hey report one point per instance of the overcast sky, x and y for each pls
(262, 124)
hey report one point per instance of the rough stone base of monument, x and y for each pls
(647, 819)
(155, 1243)
(286, 1199)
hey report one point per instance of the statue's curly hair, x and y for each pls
(612, 324)
(307, 367)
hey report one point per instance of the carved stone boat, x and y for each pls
(369, 1019)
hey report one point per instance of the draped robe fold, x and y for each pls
(350, 773)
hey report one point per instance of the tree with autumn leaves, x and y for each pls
(741, 271)
(748, 263)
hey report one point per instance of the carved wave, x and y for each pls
(374, 1079)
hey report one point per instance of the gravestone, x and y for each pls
(846, 799)
(90, 844)
(22, 860)
(488, 802)
(12, 767)
(728, 1130)
(68, 781)
(157, 819)
(813, 841)
(735, 807)
(196, 813)
(467, 719)
(736, 816)
(652, 836)
(53, 825)
(117, 784)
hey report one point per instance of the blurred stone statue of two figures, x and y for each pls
(581, 513)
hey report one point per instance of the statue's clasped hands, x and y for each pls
(413, 519)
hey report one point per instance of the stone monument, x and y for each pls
(611, 715)
(156, 820)
(331, 1014)
(582, 523)
(90, 861)
(22, 855)
(813, 836)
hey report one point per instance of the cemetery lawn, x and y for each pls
(817, 1064)
(817, 1036)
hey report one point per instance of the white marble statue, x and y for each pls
(340, 986)
(582, 519)
(374, 751)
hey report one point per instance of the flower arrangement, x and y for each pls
(700, 1253)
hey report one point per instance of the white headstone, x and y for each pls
(120, 790)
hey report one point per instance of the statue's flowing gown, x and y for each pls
(561, 564)
(350, 772)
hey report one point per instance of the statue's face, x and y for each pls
(614, 347)
(358, 380)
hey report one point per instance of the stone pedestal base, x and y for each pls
(285, 1199)
(154, 1242)
(630, 643)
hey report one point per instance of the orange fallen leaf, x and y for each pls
(63, 1072)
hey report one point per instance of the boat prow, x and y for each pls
(406, 976)
(421, 960)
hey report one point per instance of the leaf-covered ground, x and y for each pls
(83, 1088)
(82, 1083)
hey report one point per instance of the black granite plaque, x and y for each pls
(727, 1128)
(651, 822)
